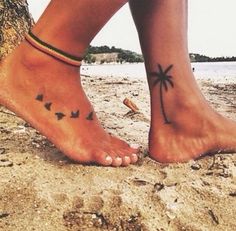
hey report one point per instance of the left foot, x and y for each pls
(49, 95)
(183, 126)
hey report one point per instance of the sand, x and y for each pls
(40, 189)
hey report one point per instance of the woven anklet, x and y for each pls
(52, 51)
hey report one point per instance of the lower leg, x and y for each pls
(48, 93)
(183, 126)
(71, 25)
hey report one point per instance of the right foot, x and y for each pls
(187, 127)
(47, 93)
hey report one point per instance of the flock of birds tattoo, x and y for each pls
(161, 77)
(164, 80)
(61, 115)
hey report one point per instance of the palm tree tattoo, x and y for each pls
(164, 79)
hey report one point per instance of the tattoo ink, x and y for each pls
(90, 116)
(39, 97)
(48, 106)
(60, 115)
(74, 115)
(163, 79)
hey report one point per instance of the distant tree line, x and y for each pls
(123, 55)
(133, 57)
(203, 58)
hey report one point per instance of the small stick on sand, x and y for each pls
(127, 102)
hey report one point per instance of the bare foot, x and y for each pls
(48, 94)
(184, 127)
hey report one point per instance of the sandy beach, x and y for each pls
(40, 189)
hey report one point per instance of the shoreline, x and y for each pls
(217, 72)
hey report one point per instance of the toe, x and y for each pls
(104, 159)
(117, 161)
(126, 161)
(133, 158)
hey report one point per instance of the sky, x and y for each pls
(211, 28)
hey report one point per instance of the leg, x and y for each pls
(183, 126)
(38, 87)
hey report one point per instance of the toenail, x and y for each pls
(108, 159)
(134, 146)
(118, 158)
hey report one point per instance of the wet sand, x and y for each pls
(40, 189)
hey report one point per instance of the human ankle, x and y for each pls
(33, 60)
(180, 111)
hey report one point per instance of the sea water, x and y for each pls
(210, 70)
